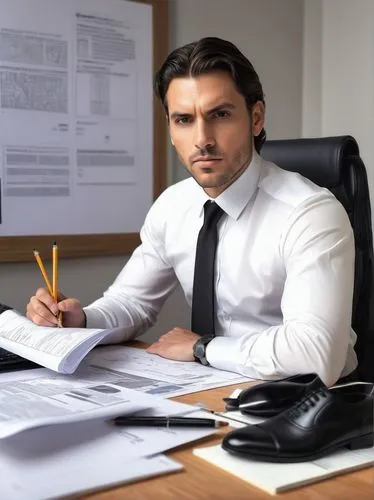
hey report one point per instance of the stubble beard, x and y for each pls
(223, 179)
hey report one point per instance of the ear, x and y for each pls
(258, 117)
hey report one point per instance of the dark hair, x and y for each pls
(207, 55)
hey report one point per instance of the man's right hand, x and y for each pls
(43, 310)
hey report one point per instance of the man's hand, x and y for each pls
(43, 310)
(176, 344)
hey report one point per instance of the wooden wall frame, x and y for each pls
(19, 248)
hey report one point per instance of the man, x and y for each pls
(284, 262)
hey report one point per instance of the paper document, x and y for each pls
(59, 349)
(277, 477)
(33, 482)
(140, 370)
(33, 398)
(100, 437)
(50, 462)
(76, 128)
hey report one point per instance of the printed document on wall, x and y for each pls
(76, 120)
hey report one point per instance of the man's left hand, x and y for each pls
(176, 344)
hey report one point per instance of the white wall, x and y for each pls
(269, 32)
(312, 69)
(338, 90)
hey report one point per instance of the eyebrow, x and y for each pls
(224, 105)
(219, 107)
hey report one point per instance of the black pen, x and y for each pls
(149, 421)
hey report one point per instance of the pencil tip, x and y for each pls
(35, 252)
(55, 243)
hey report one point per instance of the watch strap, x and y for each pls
(199, 349)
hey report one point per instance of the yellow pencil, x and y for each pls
(43, 271)
(54, 270)
(55, 278)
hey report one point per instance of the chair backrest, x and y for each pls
(335, 163)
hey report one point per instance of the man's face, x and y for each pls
(212, 129)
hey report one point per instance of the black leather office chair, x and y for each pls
(335, 163)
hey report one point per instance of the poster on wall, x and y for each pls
(76, 121)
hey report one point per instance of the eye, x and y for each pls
(222, 113)
(182, 120)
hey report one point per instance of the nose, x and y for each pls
(204, 138)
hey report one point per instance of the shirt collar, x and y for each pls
(235, 198)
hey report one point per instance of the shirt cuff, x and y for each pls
(223, 353)
(94, 318)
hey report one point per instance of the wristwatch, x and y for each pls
(199, 349)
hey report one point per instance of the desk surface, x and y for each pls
(202, 481)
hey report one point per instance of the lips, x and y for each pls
(207, 159)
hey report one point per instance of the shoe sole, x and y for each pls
(366, 441)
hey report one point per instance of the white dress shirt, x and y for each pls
(283, 282)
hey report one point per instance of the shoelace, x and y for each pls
(306, 402)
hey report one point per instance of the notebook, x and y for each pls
(276, 477)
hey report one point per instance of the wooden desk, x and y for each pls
(202, 481)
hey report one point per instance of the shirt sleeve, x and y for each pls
(135, 298)
(317, 250)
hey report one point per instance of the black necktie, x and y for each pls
(202, 320)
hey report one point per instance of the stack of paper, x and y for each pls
(54, 461)
(59, 349)
(155, 375)
(275, 478)
(55, 440)
(101, 387)
(73, 477)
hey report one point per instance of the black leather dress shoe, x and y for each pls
(320, 423)
(270, 398)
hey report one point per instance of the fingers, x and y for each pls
(73, 314)
(152, 348)
(45, 298)
(42, 309)
(160, 350)
(69, 305)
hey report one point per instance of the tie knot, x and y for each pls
(212, 213)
